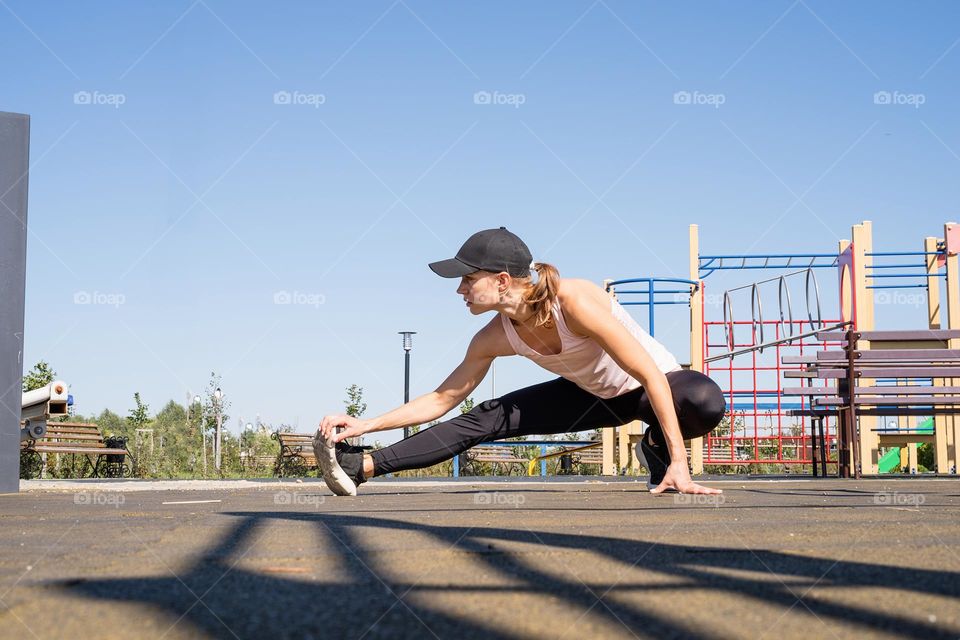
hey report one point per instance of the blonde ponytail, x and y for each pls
(542, 294)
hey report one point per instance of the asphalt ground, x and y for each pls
(578, 558)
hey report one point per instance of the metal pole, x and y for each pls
(14, 163)
(650, 303)
(407, 346)
(406, 386)
(216, 444)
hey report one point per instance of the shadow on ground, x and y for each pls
(218, 598)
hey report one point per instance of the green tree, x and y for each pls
(40, 376)
(140, 415)
(144, 449)
(925, 461)
(355, 404)
(112, 424)
(178, 443)
(210, 407)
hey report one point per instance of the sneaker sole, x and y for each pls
(335, 477)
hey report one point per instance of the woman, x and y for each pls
(612, 372)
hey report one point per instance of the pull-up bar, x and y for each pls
(767, 261)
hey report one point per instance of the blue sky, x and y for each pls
(195, 162)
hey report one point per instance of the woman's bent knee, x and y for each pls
(703, 404)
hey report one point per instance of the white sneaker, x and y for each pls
(333, 474)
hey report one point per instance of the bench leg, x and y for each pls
(813, 445)
(824, 451)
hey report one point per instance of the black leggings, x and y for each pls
(557, 406)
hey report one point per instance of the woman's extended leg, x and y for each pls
(556, 406)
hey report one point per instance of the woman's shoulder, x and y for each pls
(579, 299)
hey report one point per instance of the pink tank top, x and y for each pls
(583, 361)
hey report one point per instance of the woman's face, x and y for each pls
(480, 290)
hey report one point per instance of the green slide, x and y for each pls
(890, 461)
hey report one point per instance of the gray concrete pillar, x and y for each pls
(14, 163)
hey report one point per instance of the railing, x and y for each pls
(651, 292)
(543, 444)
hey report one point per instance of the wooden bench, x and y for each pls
(296, 456)
(588, 455)
(74, 439)
(494, 455)
(578, 456)
(918, 361)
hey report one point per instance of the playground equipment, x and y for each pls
(39, 405)
(14, 164)
(742, 336)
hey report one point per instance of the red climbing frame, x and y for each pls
(752, 383)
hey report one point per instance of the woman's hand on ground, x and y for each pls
(353, 427)
(678, 478)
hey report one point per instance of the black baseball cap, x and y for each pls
(493, 250)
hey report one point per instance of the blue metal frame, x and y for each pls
(651, 292)
(872, 276)
(816, 261)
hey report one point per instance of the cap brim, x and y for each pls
(451, 268)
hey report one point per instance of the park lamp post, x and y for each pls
(217, 395)
(198, 401)
(407, 345)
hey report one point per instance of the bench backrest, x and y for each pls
(914, 359)
(493, 453)
(295, 441)
(593, 455)
(72, 433)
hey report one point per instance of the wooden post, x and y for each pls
(696, 336)
(842, 246)
(868, 440)
(953, 318)
(609, 434)
(940, 459)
